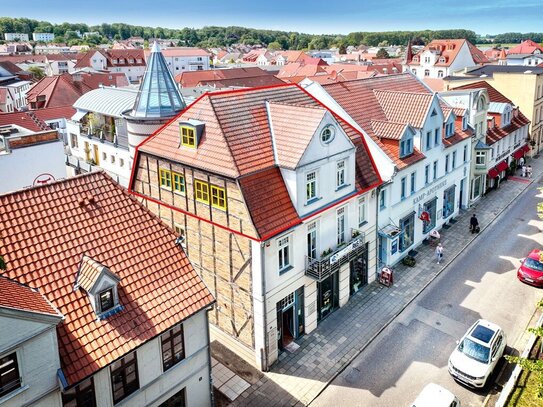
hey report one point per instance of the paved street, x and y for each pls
(479, 283)
(298, 378)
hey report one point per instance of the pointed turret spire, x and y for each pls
(408, 53)
(158, 95)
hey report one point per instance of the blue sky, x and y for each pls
(310, 16)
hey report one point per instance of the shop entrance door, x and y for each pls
(358, 268)
(328, 296)
(288, 326)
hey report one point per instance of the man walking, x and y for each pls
(474, 224)
(439, 252)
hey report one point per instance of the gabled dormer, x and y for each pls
(449, 125)
(190, 132)
(101, 286)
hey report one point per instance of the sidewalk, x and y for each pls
(298, 378)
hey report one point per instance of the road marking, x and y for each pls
(435, 320)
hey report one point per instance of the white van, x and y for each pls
(433, 395)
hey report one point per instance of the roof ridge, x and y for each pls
(316, 107)
(401, 91)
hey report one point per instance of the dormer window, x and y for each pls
(191, 132)
(100, 285)
(464, 123)
(442, 60)
(406, 147)
(106, 300)
(187, 137)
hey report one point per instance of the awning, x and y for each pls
(390, 231)
(79, 115)
(502, 166)
(526, 148)
(493, 173)
(518, 154)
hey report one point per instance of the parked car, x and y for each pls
(477, 353)
(433, 395)
(531, 269)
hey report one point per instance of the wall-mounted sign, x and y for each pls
(43, 179)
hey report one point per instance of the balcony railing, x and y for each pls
(102, 133)
(321, 268)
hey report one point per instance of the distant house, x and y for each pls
(224, 78)
(16, 37)
(184, 59)
(58, 64)
(62, 90)
(100, 306)
(440, 58)
(527, 53)
(31, 152)
(129, 62)
(14, 82)
(52, 49)
(43, 37)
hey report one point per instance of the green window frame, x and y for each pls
(201, 191)
(218, 197)
(165, 178)
(178, 182)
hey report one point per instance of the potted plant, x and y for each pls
(409, 261)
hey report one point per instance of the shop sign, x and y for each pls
(429, 192)
(343, 252)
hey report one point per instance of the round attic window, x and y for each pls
(327, 134)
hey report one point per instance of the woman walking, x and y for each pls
(439, 252)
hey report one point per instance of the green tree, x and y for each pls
(274, 46)
(36, 72)
(532, 365)
(382, 53)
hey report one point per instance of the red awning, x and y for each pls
(502, 166)
(493, 173)
(518, 154)
(526, 148)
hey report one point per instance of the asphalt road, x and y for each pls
(480, 283)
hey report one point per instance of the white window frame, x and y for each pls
(480, 158)
(340, 173)
(284, 253)
(362, 211)
(341, 225)
(312, 184)
(312, 232)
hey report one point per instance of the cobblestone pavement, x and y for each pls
(298, 378)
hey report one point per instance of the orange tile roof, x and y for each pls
(44, 232)
(182, 52)
(88, 273)
(27, 120)
(388, 130)
(496, 133)
(51, 113)
(237, 139)
(493, 93)
(404, 107)
(285, 121)
(449, 49)
(525, 47)
(268, 202)
(190, 79)
(359, 99)
(22, 297)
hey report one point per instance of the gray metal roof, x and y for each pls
(107, 101)
(497, 107)
(490, 69)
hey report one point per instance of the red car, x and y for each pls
(531, 269)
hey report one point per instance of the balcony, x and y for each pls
(104, 133)
(321, 268)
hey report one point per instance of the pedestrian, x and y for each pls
(529, 171)
(521, 162)
(439, 252)
(523, 170)
(474, 224)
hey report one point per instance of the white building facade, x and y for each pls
(16, 37)
(44, 37)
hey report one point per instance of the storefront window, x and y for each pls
(430, 207)
(448, 201)
(476, 188)
(359, 271)
(407, 227)
(328, 292)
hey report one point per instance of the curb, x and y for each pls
(511, 383)
(350, 361)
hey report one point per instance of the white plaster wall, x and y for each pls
(176, 65)
(193, 373)
(37, 357)
(25, 164)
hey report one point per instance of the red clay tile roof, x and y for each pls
(190, 79)
(449, 49)
(268, 187)
(285, 122)
(359, 99)
(27, 120)
(182, 52)
(493, 94)
(388, 130)
(17, 59)
(110, 55)
(497, 133)
(22, 297)
(237, 139)
(52, 113)
(525, 47)
(45, 230)
(10, 67)
(405, 107)
(63, 90)
(88, 273)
